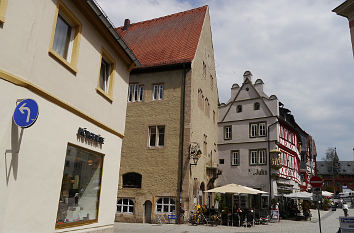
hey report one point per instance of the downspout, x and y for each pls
(181, 148)
(269, 166)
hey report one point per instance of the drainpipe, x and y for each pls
(269, 166)
(180, 175)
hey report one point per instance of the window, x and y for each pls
(204, 70)
(165, 205)
(235, 158)
(125, 205)
(3, 4)
(157, 92)
(262, 157)
(132, 180)
(253, 157)
(256, 106)
(258, 129)
(228, 132)
(262, 130)
(105, 79)
(65, 39)
(214, 116)
(156, 136)
(221, 161)
(80, 188)
(211, 82)
(239, 108)
(135, 92)
(254, 130)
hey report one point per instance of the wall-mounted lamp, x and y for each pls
(194, 152)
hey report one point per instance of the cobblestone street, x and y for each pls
(329, 220)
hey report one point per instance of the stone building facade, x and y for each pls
(60, 174)
(259, 141)
(171, 116)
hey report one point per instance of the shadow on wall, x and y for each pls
(14, 151)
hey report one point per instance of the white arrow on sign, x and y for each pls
(22, 108)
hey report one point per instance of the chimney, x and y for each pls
(247, 75)
(126, 24)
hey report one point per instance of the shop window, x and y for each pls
(64, 43)
(125, 205)
(80, 189)
(3, 4)
(132, 180)
(156, 136)
(165, 205)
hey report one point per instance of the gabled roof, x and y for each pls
(171, 39)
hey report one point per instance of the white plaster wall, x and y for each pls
(30, 187)
(25, 39)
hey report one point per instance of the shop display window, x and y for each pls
(80, 189)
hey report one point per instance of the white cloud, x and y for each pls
(301, 50)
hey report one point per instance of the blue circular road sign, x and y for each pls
(26, 113)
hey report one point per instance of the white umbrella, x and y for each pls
(300, 195)
(327, 194)
(236, 189)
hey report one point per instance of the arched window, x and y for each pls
(165, 205)
(132, 180)
(125, 205)
(257, 106)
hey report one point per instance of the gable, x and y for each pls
(172, 39)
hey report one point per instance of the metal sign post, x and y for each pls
(319, 215)
(316, 183)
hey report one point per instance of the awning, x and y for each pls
(236, 189)
(327, 194)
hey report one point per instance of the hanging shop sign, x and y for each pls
(91, 136)
(26, 113)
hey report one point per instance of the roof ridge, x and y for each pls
(166, 16)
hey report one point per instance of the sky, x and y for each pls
(300, 49)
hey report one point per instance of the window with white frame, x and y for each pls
(135, 92)
(125, 205)
(158, 90)
(258, 129)
(105, 73)
(235, 158)
(166, 205)
(253, 157)
(254, 130)
(262, 157)
(262, 129)
(156, 136)
(228, 132)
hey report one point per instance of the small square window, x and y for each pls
(221, 161)
(239, 108)
(256, 106)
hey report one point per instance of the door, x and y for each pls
(148, 209)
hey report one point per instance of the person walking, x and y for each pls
(345, 209)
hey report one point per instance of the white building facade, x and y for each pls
(61, 173)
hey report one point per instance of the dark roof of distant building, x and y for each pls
(345, 168)
(171, 39)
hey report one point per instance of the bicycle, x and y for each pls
(160, 219)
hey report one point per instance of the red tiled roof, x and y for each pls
(167, 40)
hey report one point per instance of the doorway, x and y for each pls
(148, 210)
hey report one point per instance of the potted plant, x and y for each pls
(326, 204)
